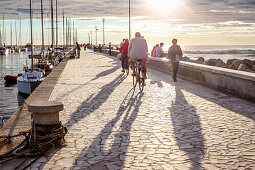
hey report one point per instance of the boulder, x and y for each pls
(235, 64)
(253, 67)
(200, 60)
(185, 58)
(243, 67)
(214, 62)
(230, 61)
(210, 62)
(219, 63)
(248, 63)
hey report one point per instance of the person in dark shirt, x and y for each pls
(78, 47)
(124, 55)
(174, 55)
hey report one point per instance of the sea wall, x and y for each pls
(238, 83)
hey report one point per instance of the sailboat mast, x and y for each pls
(31, 25)
(73, 34)
(52, 26)
(3, 31)
(16, 34)
(63, 29)
(56, 23)
(66, 33)
(11, 34)
(1, 36)
(76, 36)
(20, 41)
(42, 50)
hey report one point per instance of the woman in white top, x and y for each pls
(138, 49)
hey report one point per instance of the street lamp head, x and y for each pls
(103, 19)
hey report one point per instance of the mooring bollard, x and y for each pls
(47, 129)
(46, 112)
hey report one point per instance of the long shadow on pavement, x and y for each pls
(93, 103)
(102, 74)
(187, 129)
(97, 156)
(225, 100)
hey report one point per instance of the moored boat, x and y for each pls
(23, 49)
(28, 82)
(9, 79)
(4, 51)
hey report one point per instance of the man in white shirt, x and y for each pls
(159, 51)
(138, 49)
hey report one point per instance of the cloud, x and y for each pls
(192, 16)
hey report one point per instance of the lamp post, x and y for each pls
(91, 36)
(129, 15)
(96, 34)
(103, 32)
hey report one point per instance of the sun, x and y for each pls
(164, 6)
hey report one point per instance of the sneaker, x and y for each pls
(123, 71)
(133, 74)
(146, 77)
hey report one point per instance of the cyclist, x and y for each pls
(138, 49)
(124, 54)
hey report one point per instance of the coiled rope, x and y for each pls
(38, 140)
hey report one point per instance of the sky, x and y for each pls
(192, 22)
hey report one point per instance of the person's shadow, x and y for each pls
(92, 103)
(116, 155)
(187, 129)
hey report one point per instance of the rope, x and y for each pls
(47, 138)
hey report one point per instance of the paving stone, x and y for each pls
(168, 126)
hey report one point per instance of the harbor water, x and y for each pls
(11, 64)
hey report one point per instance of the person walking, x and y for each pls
(78, 48)
(138, 49)
(84, 46)
(174, 55)
(124, 55)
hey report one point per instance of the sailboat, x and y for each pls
(32, 78)
(3, 49)
(16, 48)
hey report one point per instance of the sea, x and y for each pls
(10, 101)
(223, 52)
(13, 64)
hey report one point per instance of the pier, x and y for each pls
(169, 125)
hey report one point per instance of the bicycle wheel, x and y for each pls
(134, 76)
(140, 80)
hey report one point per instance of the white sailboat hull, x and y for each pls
(27, 86)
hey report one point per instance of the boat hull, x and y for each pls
(27, 87)
(10, 79)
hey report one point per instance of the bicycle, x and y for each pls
(139, 75)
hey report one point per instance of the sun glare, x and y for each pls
(164, 6)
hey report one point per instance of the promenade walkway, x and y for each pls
(169, 126)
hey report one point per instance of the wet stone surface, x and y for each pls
(169, 126)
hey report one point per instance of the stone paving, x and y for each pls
(168, 126)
